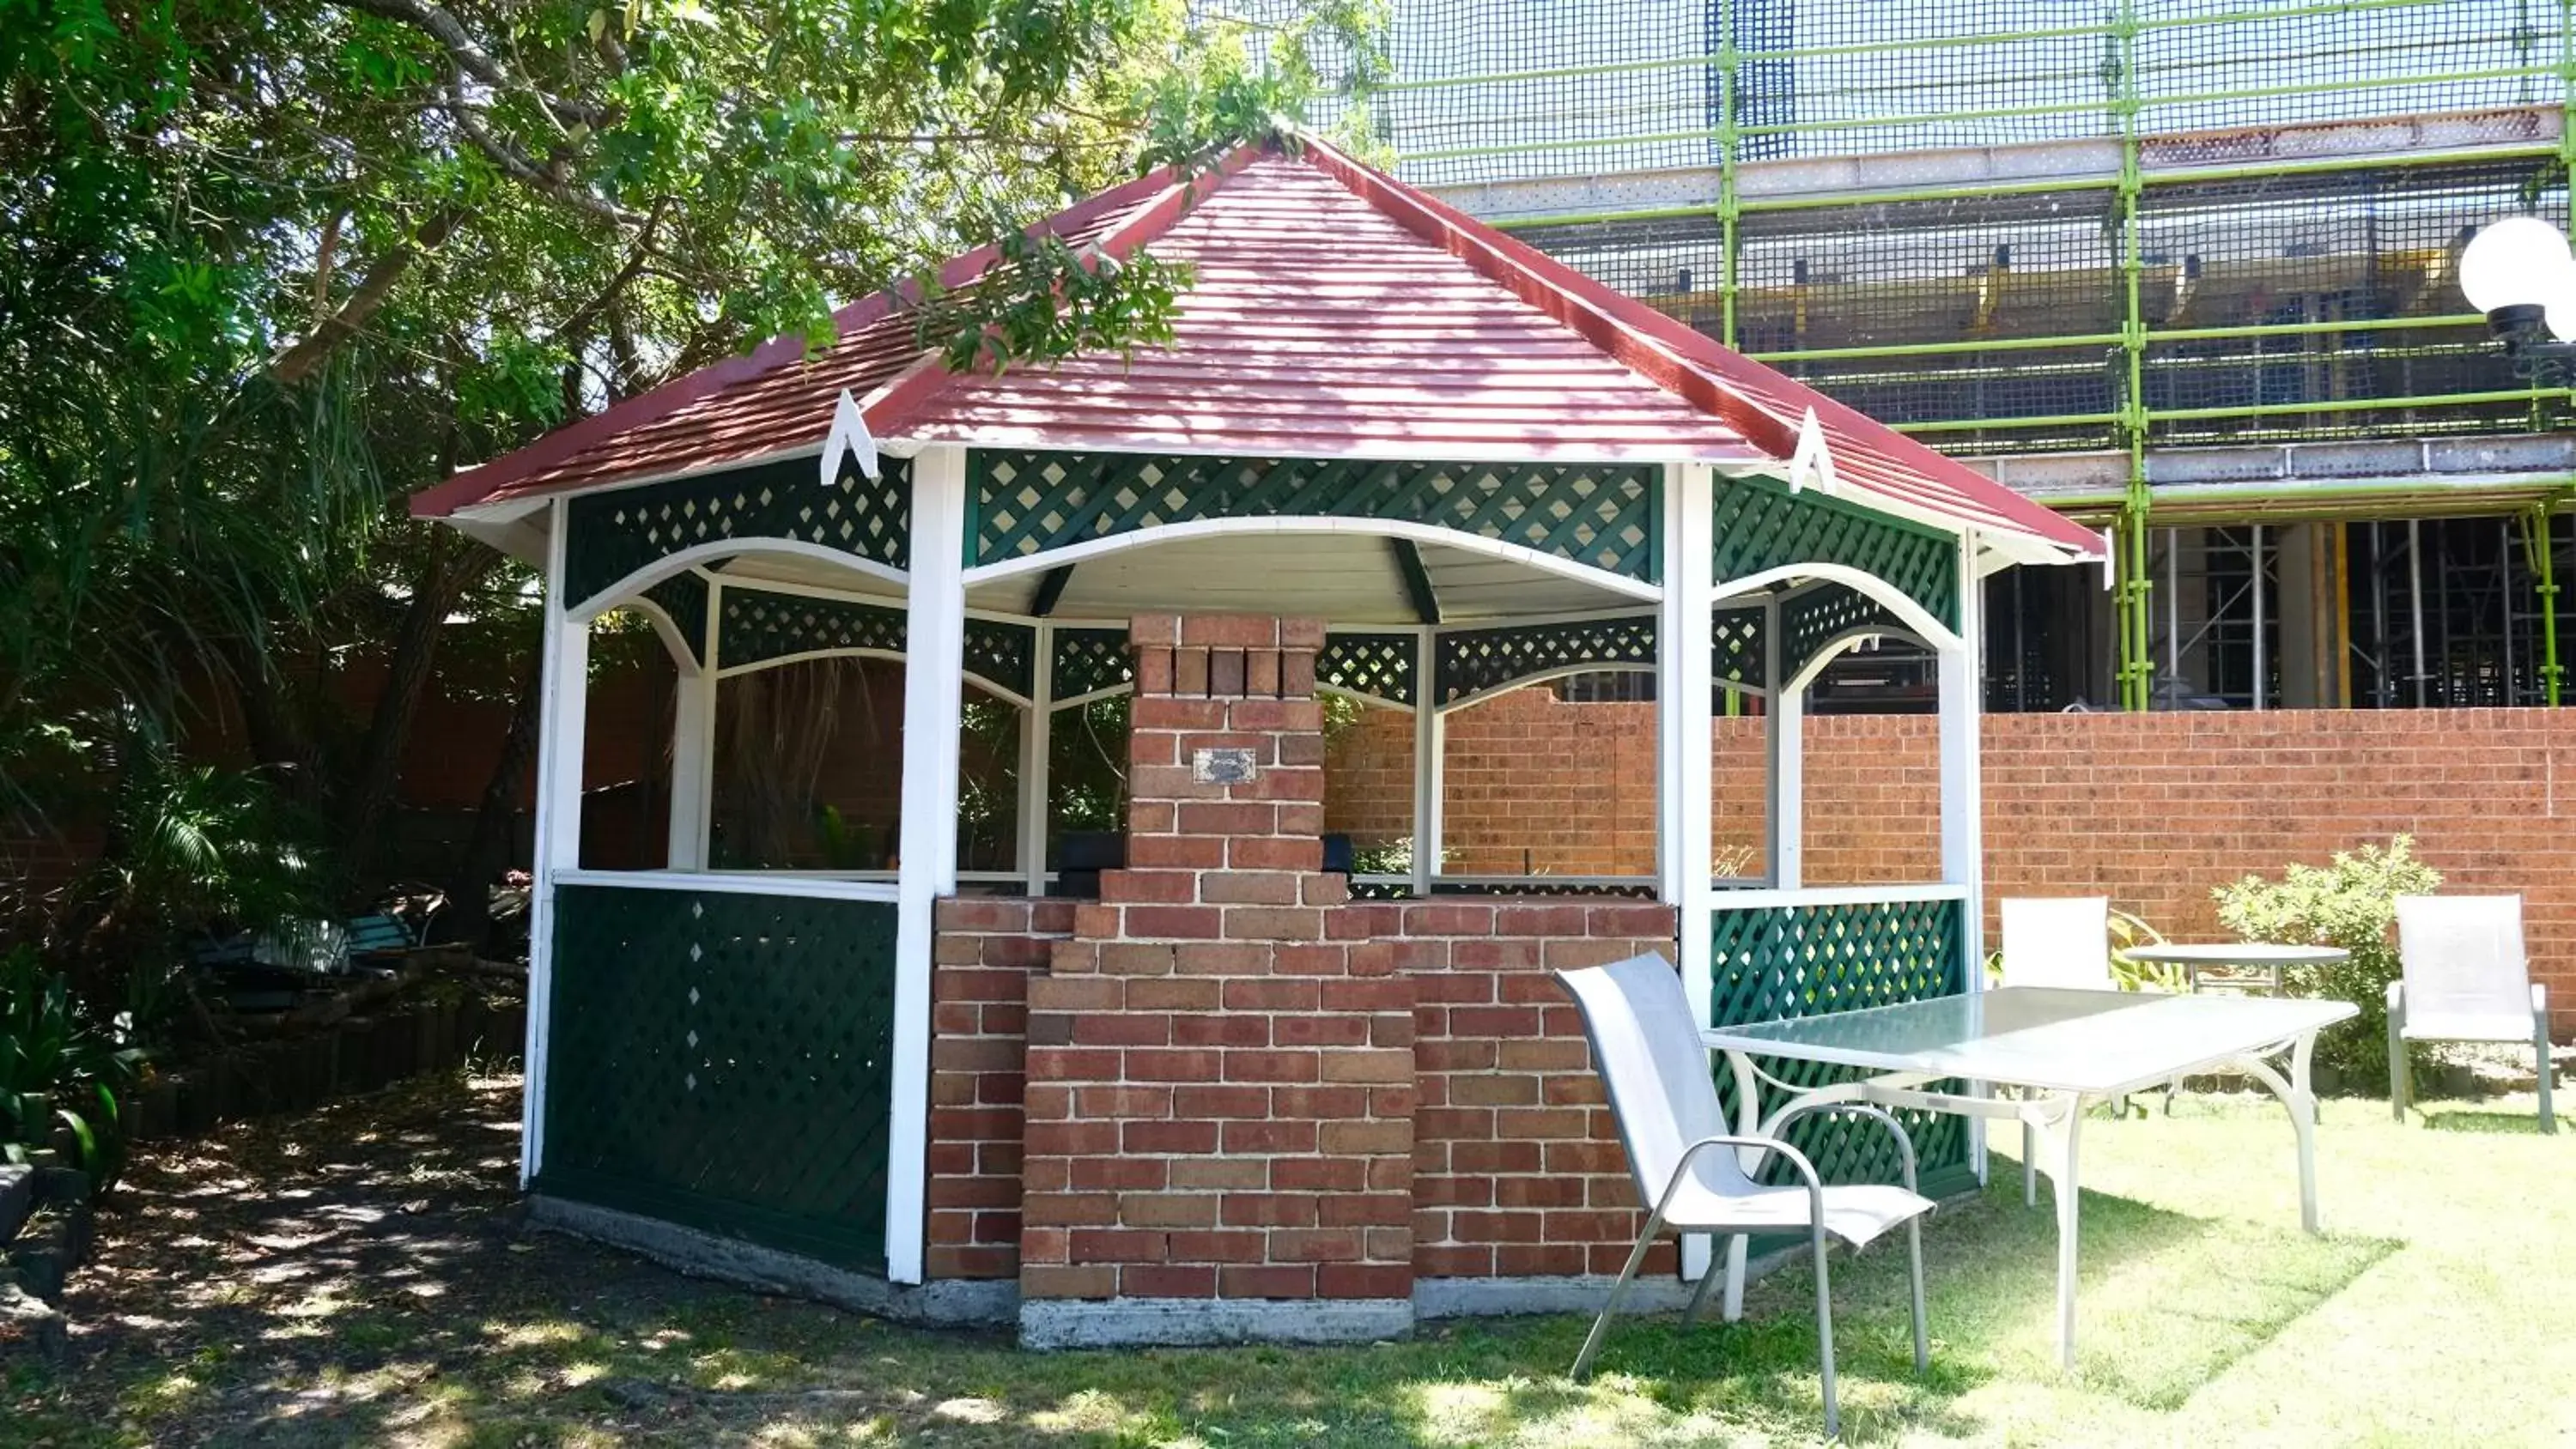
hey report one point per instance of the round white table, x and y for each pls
(2266, 957)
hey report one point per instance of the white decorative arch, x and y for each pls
(1362, 696)
(1930, 630)
(696, 553)
(1373, 527)
(737, 671)
(1842, 644)
(1561, 671)
(675, 640)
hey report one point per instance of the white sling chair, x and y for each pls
(2465, 979)
(2058, 941)
(1657, 1076)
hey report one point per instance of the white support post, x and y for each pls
(563, 696)
(1429, 746)
(1685, 694)
(1963, 790)
(1784, 733)
(693, 749)
(1037, 740)
(933, 681)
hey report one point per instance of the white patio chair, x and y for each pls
(2062, 941)
(1648, 1052)
(2058, 941)
(2465, 979)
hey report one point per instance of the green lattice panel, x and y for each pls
(724, 1061)
(1762, 525)
(1088, 661)
(1479, 661)
(683, 596)
(1775, 963)
(1003, 654)
(1811, 619)
(1380, 666)
(1601, 515)
(1736, 645)
(760, 626)
(616, 533)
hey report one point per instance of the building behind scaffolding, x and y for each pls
(2181, 268)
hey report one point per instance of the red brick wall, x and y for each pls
(1517, 1168)
(2152, 810)
(986, 951)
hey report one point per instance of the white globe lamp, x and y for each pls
(2516, 262)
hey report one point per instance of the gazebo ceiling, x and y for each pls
(1336, 313)
(1347, 578)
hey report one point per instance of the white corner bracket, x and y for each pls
(1813, 461)
(2110, 561)
(849, 437)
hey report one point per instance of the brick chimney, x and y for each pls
(1220, 1066)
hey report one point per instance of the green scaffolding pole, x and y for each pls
(1730, 206)
(2539, 552)
(2135, 601)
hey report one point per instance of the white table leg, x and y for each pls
(2029, 1165)
(1748, 1121)
(2069, 1196)
(2055, 1121)
(2295, 1094)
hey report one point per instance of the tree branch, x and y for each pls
(299, 360)
(440, 25)
(636, 257)
(522, 168)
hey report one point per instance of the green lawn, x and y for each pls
(364, 1279)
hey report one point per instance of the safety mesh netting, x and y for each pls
(1506, 90)
(2284, 268)
(1992, 324)
(1695, 150)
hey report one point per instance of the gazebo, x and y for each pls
(1389, 452)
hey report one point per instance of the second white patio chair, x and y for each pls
(1686, 1165)
(2465, 979)
(2059, 941)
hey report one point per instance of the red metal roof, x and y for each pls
(1336, 313)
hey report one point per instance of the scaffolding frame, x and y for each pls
(2146, 317)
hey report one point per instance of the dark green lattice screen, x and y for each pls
(1775, 963)
(724, 1061)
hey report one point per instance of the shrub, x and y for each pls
(60, 1068)
(2351, 903)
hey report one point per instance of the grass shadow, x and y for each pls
(2501, 1124)
(2165, 1301)
(362, 1276)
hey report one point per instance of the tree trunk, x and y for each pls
(277, 739)
(452, 569)
(487, 849)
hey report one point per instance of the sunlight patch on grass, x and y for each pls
(543, 1334)
(169, 1393)
(1461, 1413)
(1089, 1411)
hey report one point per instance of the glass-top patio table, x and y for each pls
(2052, 1048)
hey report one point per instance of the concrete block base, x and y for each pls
(1503, 1297)
(1050, 1323)
(958, 1303)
